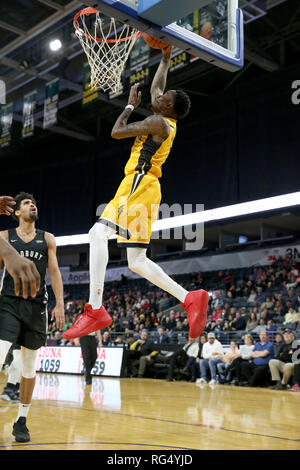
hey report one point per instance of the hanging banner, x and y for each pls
(51, 103)
(139, 62)
(6, 119)
(88, 94)
(29, 105)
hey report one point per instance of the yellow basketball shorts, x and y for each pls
(133, 209)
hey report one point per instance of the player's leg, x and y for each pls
(95, 316)
(11, 390)
(20, 430)
(98, 238)
(139, 263)
(195, 303)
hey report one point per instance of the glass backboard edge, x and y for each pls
(189, 41)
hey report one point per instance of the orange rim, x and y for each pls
(88, 11)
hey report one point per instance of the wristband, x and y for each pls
(130, 106)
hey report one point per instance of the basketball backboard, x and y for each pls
(213, 32)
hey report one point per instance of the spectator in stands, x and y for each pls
(217, 302)
(252, 296)
(278, 340)
(106, 341)
(271, 329)
(292, 319)
(129, 340)
(260, 296)
(152, 321)
(56, 339)
(252, 322)
(115, 325)
(161, 336)
(226, 310)
(150, 358)
(260, 327)
(202, 341)
(265, 314)
(163, 303)
(141, 347)
(243, 356)
(239, 323)
(118, 342)
(184, 357)
(268, 304)
(212, 353)
(229, 295)
(226, 361)
(256, 371)
(230, 319)
(282, 364)
(172, 322)
(226, 326)
(190, 365)
(292, 296)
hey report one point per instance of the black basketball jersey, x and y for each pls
(36, 251)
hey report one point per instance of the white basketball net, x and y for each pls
(106, 59)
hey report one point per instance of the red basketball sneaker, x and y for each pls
(90, 320)
(195, 304)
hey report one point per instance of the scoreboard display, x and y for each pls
(68, 360)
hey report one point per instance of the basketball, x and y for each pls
(154, 42)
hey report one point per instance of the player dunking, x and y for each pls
(140, 191)
(24, 320)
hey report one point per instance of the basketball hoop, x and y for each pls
(107, 46)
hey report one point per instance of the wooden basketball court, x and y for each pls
(139, 414)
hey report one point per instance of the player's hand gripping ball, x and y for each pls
(154, 42)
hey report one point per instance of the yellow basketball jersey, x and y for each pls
(148, 156)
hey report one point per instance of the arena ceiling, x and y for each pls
(272, 41)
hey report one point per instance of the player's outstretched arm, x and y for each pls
(154, 125)
(56, 282)
(160, 78)
(21, 269)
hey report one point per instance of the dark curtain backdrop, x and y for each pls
(244, 145)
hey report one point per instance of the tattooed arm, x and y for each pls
(154, 125)
(160, 78)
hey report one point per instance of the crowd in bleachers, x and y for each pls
(252, 300)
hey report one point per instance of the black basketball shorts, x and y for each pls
(23, 322)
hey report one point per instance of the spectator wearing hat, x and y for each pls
(283, 364)
(212, 353)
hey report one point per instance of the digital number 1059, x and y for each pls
(49, 365)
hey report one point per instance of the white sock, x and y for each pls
(98, 237)
(23, 410)
(139, 263)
